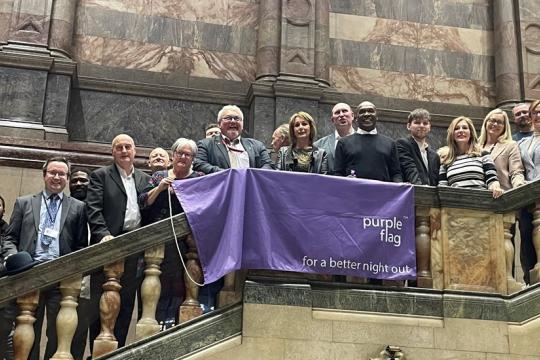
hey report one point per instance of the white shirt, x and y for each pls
(364, 132)
(51, 252)
(239, 159)
(132, 218)
(423, 151)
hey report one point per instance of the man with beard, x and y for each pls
(523, 121)
(342, 118)
(78, 186)
(419, 163)
(367, 154)
(158, 160)
(230, 149)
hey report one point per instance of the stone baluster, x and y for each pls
(191, 308)
(227, 295)
(66, 320)
(24, 336)
(535, 272)
(423, 248)
(150, 292)
(109, 307)
(509, 220)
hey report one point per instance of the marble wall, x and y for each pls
(428, 51)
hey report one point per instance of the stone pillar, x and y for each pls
(35, 61)
(508, 79)
(268, 40)
(191, 307)
(322, 42)
(509, 220)
(66, 320)
(24, 336)
(529, 11)
(423, 248)
(150, 293)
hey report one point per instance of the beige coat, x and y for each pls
(507, 159)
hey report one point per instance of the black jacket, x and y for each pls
(318, 165)
(412, 167)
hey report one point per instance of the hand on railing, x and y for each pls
(106, 238)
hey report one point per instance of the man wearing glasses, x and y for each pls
(48, 225)
(230, 149)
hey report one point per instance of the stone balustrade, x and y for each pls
(463, 242)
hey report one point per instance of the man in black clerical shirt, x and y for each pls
(367, 154)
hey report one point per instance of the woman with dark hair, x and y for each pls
(496, 139)
(465, 165)
(301, 155)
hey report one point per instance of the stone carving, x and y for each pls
(23, 339)
(66, 320)
(390, 353)
(298, 11)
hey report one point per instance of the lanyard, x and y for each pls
(53, 220)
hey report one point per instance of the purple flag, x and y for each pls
(263, 219)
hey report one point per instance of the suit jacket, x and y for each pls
(106, 201)
(318, 165)
(212, 155)
(328, 144)
(372, 157)
(507, 159)
(531, 162)
(22, 233)
(413, 168)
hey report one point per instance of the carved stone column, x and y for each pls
(530, 35)
(24, 336)
(423, 248)
(322, 42)
(437, 266)
(535, 272)
(35, 61)
(109, 307)
(191, 307)
(66, 320)
(268, 40)
(150, 293)
(508, 221)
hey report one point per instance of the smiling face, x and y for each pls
(366, 116)
(158, 160)
(231, 123)
(462, 133)
(78, 185)
(419, 128)
(535, 116)
(182, 159)
(123, 152)
(521, 117)
(56, 177)
(495, 125)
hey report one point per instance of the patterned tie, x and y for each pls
(50, 218)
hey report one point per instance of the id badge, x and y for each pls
(51, 233)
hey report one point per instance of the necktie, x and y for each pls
(50, 217)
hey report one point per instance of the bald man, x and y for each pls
(113, 210)
(367, 154)
(158, 160)
(342, 118)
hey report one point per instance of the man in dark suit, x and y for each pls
(230, 149)
(342, 118)
(419, 163)
(113, 210)
(48, 225)
(367, 154)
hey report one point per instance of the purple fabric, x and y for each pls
(263, 219)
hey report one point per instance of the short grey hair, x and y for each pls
(230, 108)
(181, 142)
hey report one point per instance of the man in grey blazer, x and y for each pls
(230, 149)
(48, 225)
(342, 118)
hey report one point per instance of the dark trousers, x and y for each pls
(7, 325)
(78, 345)
(527, 254)
(130, 284)
(49, 305)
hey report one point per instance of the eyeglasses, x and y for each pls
(535, 113)
(56, 173)
(181, 154)
(231, 118)
(496, 122)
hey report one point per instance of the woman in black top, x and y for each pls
(301, 155)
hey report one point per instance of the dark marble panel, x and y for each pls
(525, 305)
(57, 100)
(264, 122)
(277, 294)
(22, 93)
(412, 60)
(286, 107)
(99, 116)
(152, 29)
(324, 120)
(436, 12)
(475, 307)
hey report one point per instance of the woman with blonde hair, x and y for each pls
(496, 139)
(465, 165)
(302, 155)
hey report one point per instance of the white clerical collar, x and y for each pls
(364, 132)
(351, 131)
(123, 173)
